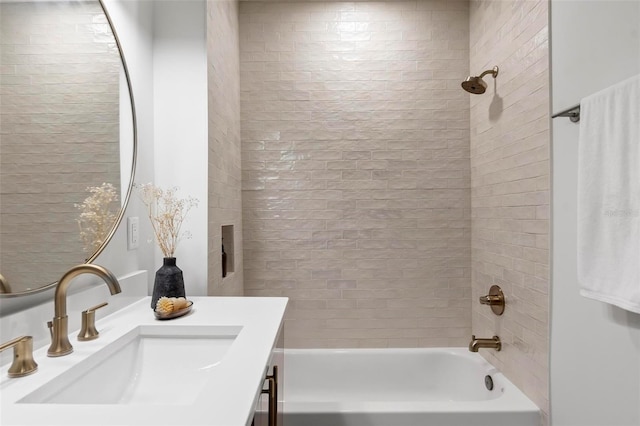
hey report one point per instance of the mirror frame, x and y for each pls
(123, 208)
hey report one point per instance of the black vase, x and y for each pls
(169, 281)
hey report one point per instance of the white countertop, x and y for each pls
(229, 400)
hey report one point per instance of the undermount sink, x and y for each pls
(151, 364)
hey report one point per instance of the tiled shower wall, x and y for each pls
(356, 176)
(225, 200)
(59, 124)
(510, 187)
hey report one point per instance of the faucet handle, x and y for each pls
(495, 299)
(88, 329)
(23, 363)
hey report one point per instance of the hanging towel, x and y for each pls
(609, 195)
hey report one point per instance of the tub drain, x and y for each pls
(488, 382)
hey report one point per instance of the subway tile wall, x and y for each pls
(510, 171)
(355, 169)
(225, 199)
(59, 124)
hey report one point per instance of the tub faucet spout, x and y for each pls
(493, 343)
(59, 326)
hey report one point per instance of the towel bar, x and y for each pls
(573, 113)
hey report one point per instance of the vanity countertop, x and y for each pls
(228, 399)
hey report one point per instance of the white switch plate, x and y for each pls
(133, 233)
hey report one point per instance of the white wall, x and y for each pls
(133, 22)
(165, 49)
(180, 116)
(595, 347)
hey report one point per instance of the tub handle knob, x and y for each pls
(495, 299)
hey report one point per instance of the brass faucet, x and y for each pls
(60, 344)
(23, 363)
(495, 299)
(493, 343)
(4, 285)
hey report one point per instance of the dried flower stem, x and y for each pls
(166, 212)
(97, 216)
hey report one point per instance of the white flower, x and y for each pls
(166, 212)
(98, 213)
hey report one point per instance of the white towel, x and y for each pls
(609, 195)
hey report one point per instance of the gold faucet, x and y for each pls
(60, 344)
(23, 363)
(493, 343)
(4, 285)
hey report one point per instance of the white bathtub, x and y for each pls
(399, 387)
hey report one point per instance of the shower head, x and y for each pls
(476, 85)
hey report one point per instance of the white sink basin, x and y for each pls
(151, 364)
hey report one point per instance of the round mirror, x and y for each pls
(67, 139)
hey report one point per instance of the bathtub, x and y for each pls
(399, 387)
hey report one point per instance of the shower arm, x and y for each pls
(493, 72)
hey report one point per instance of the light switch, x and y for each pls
(133, 233)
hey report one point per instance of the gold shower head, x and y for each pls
(476, 85)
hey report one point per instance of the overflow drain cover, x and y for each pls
(488, 382)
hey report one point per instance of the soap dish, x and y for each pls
(174, 314)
